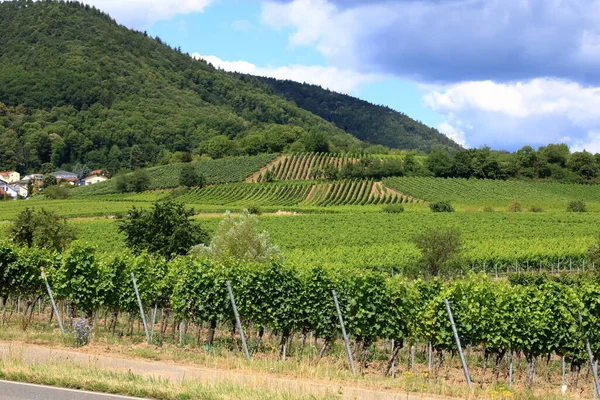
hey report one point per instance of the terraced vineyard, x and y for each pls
(224, 170)
(304, 166)
(338, 193)
(272, 194)
(474, 191)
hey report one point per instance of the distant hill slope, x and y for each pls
(79, 88)
(368, 122)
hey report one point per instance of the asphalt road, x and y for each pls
(26, 391)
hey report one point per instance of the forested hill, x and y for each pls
(366, 121)
(76, 87)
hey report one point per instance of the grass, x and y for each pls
(332, 371)
(82, 376)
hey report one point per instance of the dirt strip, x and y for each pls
(177, 373)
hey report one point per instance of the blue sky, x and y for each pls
(503, 73)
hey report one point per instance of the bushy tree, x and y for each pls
(241, 240)
(189, 177)
(138, 181)
(440, 251)
(42, 229)
(166, 229)
(49, 180)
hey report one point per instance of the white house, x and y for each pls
(92, 179)
(5, 189)
(10, 176)
(21, 189)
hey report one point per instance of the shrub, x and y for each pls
(440, 251)
(166, 229)
(576, 206)
(441, 206)
(57, 192)
(42, 229)
(189, 177)
(488, 209)
(254, 209)
(393, 208)
(515, 206)
(240, 240)
(536, 209)
(138, 181)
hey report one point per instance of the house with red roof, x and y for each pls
(10, 176)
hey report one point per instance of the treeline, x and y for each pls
(554, 162)
(536, 317)
(78, 88)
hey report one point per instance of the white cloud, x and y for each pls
(449, 40)
(241, 25)
(453, 132)
(140, 14)
(339, 80)
(513, 114)
(589, 143)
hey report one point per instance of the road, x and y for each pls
(26, 391)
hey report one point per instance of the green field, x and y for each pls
(496, 193)
(341, 223)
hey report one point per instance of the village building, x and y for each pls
(96, 176)
(10, 176)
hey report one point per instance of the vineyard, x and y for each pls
(338, 193)
(529, 320)
(303, 166)
(224, 170)
(495, 192)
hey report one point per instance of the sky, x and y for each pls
(502, 73)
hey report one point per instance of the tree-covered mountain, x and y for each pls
(76, 87)
(368, 122)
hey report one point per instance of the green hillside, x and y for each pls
(76, 87)
(368, 122)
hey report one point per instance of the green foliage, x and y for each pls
(166, 229)
(57, 192)
(118, 106)
(536, 209)
(81, 280)
(234, 169)
(594, 251)
(368, 122)
(577, 206)
(254, 209)
(440, 251)
(240, 240)
(488, 209)
(188, 176)
(42, 229)
(441, 206)
(497, 192)
(393, 208)
(138, 181)
(515, 207)
(48, 181)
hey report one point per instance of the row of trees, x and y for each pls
(553, 161)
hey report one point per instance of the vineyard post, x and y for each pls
(153, 319)
(591, 356)
(595, 370)
(60, 325)
(460, 352)
(344, 335)
(562, 369)
(510, 370)
(139, 300)
(237, 319)
(430, 356)
(393, 359)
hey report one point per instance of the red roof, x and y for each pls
(7, 173)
